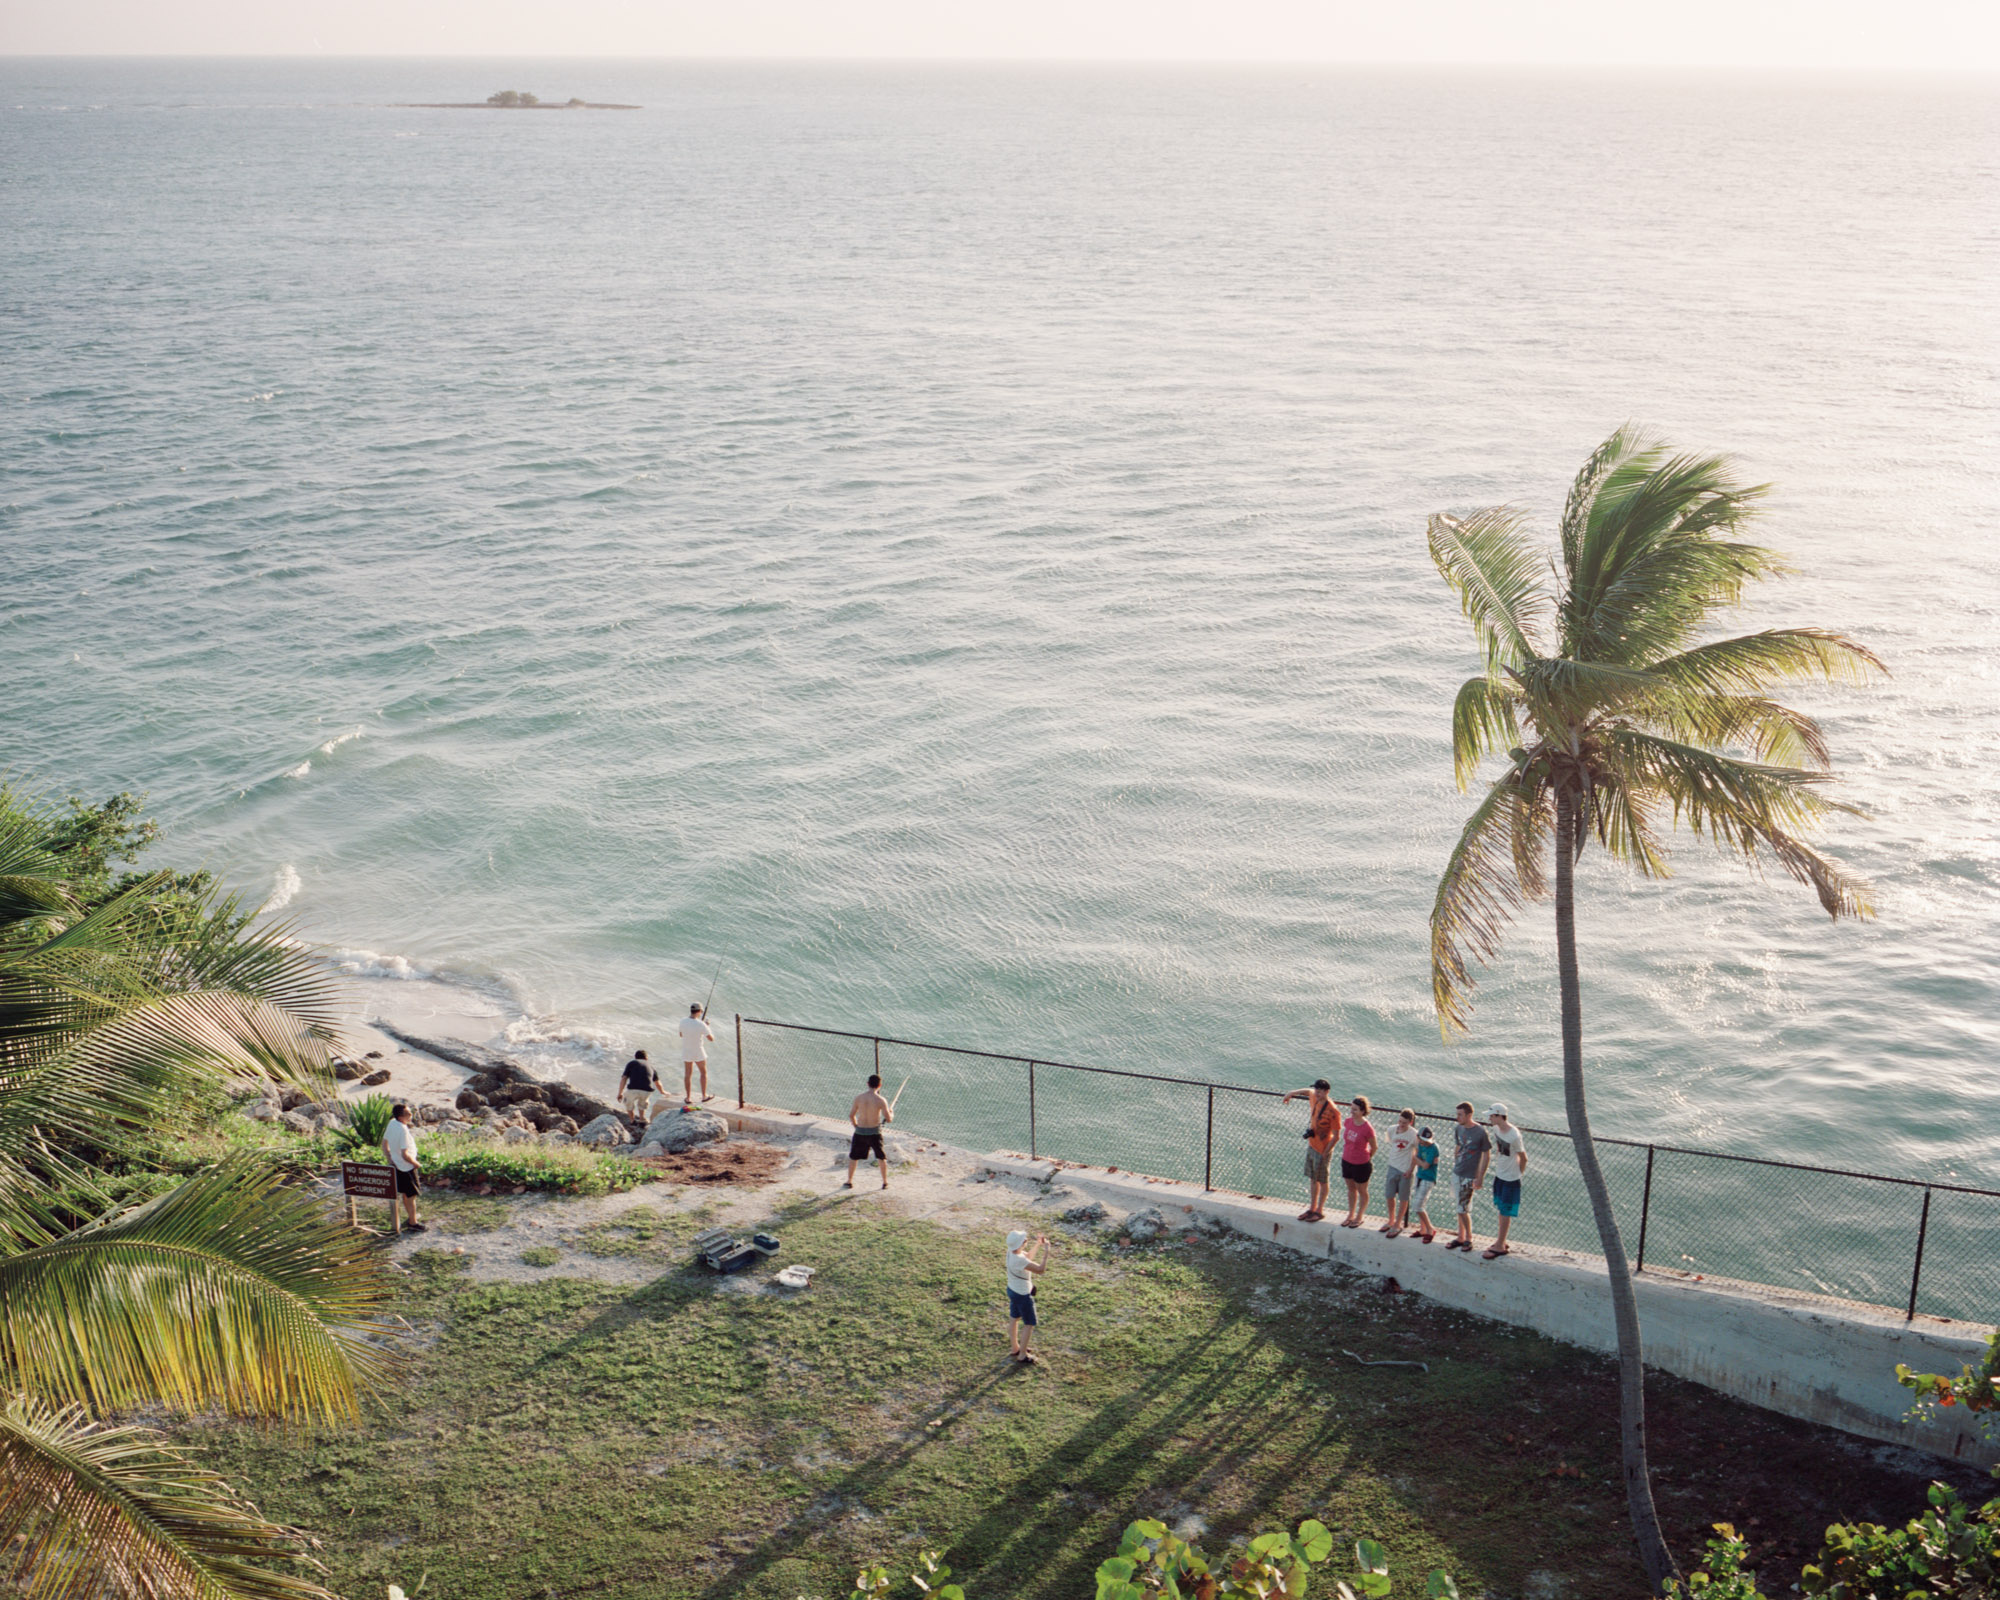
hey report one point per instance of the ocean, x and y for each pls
(944, 545)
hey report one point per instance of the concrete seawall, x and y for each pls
(1825, 1361)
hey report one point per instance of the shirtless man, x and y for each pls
(868, 1113)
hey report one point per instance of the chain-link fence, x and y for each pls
(1816, 1231)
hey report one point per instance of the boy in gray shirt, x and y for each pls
(1468, 1170)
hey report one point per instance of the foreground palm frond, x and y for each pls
(88, 1511)
(229, 1292)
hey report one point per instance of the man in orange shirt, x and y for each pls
(1322, 1128)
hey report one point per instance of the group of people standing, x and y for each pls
(642, 1096)
(1413, 1159)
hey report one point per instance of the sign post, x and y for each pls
(363, 1181)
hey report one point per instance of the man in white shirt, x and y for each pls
(1401, 1145)
(695, 1037)
(1024, 1266)
(1510, 1160)
(399, 1144)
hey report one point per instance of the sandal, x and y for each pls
(1497, 1252)
(1307, 1216)
(1390, 1230)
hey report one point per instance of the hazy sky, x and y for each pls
(1769, 33)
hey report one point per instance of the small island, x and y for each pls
(514, 100)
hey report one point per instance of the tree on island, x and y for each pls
(512, 97)
(120, 1005)
(1617, 723)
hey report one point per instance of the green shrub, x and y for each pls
(541, 1255)
(553, 1169)
(1946, 1550)
(367, 1121)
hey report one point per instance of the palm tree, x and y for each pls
(228, 1293)
(1617, 723)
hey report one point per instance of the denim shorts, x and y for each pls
(1507, 1196)
(1021, 1306)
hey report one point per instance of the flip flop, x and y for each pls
(1307, 1216)
(1495, 1255)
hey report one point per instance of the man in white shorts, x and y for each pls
(695, 1038)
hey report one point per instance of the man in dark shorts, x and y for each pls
(868, 1113)
(399, 1145)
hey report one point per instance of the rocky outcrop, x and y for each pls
(677, 1130)
(502, 1082)
(608, 1130)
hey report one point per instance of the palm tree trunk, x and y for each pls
(1653, 1552)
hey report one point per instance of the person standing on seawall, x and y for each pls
(696, 1035)
(1468, 1169)
(1322, 1128)
(1510, 1160)
(1357, 1159)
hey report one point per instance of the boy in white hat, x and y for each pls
(1023, 1267)
(1510, 1160)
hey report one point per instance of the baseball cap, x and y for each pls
(1496, 1110)
(1017, 1238)
(1424, 1136)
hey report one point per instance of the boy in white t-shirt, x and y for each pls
(1401, 1146)
(1024, 1266)
(1510, 1160)
(695, 1037)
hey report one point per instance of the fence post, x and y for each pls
(1031, 1110)
(1208, 1155)
(878, 1058)
(1645, 1210)
(1917, 1271)
(739, 1061)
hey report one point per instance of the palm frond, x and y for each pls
(227, 950)
(230, 1291)
(1584, 488)
(1494, 869)
(1497, 575)
(1623, 818)
(1753, 662)
(1483, 718)
(88, 1511)
(1647, 565)
(32, 886)
(1772, 732)
(1745, 807)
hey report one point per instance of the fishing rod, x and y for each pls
(711, 988)
(899, 1095)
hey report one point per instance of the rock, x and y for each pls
(454, 1125)
(380, 1075)
(298, 1122)
(677, 1130)
(517, 1136)
(1089, 1215)
(491, 1065)
(608, 1129)
(348, 1071)
(292, 1099)
(470, 1099)
(431, 1115)
(373, 1055)
(1144, 1224)
(542, 1117)
(480, 1130)
(262, 1111)
(557, 1136)
(241, 1089)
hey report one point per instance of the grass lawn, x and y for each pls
(698, 1437)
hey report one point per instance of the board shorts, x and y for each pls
(1357, 1171)
(1421, 1196)
(1396, 1184)
(1318, 1164)
(1021, 1307)
(1467, 1188)
(406, 1182)
(866, 1142)
(1507, 1196)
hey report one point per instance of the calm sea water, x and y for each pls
(948, 544)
